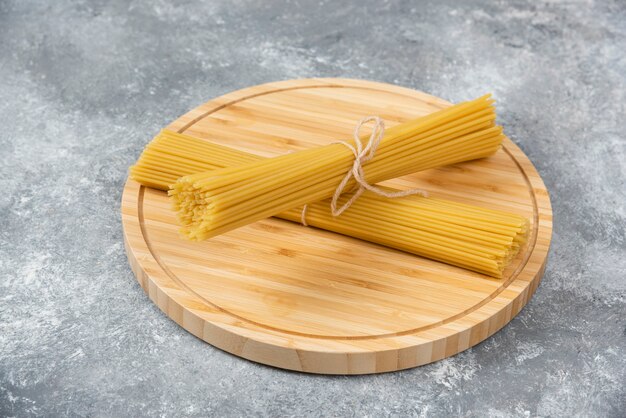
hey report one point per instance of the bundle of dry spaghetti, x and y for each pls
(218, 201)
(467, 236)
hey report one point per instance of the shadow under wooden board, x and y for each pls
(310, 300)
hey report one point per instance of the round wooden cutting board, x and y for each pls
(310, 300)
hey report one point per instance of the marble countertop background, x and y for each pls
(84, 85)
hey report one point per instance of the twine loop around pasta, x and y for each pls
(362, 154)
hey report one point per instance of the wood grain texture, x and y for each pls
(310, 300)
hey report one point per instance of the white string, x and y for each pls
(361, 156)
(303, 215)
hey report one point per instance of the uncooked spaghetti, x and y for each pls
(218, 201)
(467, 236)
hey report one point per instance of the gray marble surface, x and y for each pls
(85, 84)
